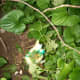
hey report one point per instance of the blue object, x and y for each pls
(42, 52)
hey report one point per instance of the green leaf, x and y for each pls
(3, 61)
(61, 17)
(57, 2)
(28, 15)
(34, 34)
(60, 63)
(65, 71)
(25, 77)
(50, 63)
(75, 2)
(43, 4)
(68, 36)
(10, 22)
(76, 57)
(7, 75)
(3, 78)
(75, 75)
(11, 68)
(36, 26)
(74, 11)
(71, 34)
(76, 32)
(37, 30)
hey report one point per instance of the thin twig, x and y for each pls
(65, 5)
(53, 26)
(4, 45)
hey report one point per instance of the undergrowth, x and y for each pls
(62, 61)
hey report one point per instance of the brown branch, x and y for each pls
(53, 26)
(4, 45)
(65, 5)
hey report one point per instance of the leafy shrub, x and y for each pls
(60, 62)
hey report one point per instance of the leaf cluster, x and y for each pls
(61, 63)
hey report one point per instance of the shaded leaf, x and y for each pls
(3, 61)
(68, 36)
(65, 71)
(75, 2)
(10, 68)
(7, 75)
(75, 75)
(25, 77)
(76, 57)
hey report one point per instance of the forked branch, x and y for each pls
(53, 26)
(65, 5)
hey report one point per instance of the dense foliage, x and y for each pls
(61, 63)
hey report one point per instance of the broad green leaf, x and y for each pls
(68, 36)
(61, 17)
(75, 75)
(76, 57)
(62, 75)
(71, 34)
(11, 22)
(34, 34)
(76, 32)
(60, 63)
(36, 26)
(3, 61)
(57, 2)
(25, 77)
(43, 4)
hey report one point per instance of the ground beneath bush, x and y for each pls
(8, 48)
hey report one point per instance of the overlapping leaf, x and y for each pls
(43, 3)
(65, 71)
(37, 30)
(71, 34)
(3, 61)
(11, 22)
(61, 17)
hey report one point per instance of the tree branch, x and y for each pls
(53, 26)
(65, 5)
